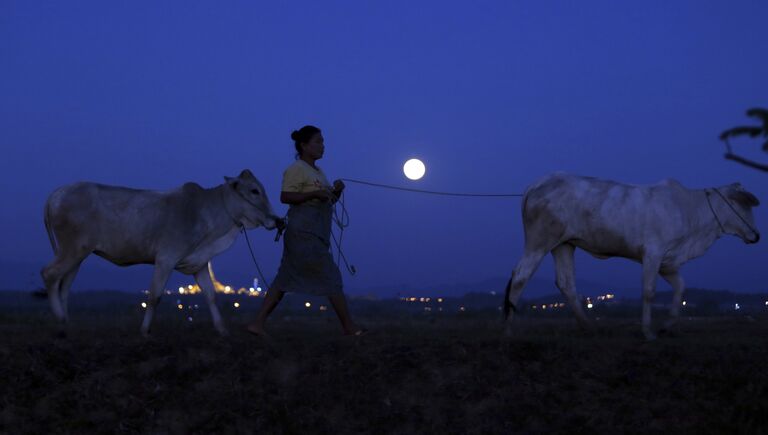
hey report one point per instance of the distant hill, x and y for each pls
(699, 300)
(536, 287)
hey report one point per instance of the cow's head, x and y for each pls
(246, 200)
(739, 221)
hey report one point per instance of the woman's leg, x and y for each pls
(274, 296)
(339, 303)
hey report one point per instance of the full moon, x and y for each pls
(414, 169)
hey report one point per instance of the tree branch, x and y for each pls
(747, 162)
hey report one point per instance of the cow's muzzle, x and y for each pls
(755, 240)
(272, 222)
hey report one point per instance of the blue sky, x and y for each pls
(492, 95)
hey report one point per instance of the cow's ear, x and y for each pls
(232, 181)
(246, 173)
(745, 198)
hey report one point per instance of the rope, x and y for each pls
(432, 192)
(253, 257)
(751, 228)
(342, 222)
(342, 219)
(709, 201)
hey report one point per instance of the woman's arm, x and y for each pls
(301, 197)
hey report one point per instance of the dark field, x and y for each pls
(414, 373)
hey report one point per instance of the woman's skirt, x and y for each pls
(307, 265)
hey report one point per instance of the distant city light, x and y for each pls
(236, 304)
(736, 307)
(684, 303)
(307, 304)
(181, 307)
(323, 308)
(440, 300)
(462, 309)
(589, 305)
(143, 305)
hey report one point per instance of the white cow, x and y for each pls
(661, 226)
(181, 230)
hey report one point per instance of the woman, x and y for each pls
(307, 265)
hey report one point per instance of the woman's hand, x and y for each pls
(338, 187)
(323, 195)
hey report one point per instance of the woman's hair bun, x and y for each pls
(295, 135)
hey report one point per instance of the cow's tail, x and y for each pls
(508, 306)
(42, 293)
(47, 220)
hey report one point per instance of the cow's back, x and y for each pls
(604, 217)
(119, 223)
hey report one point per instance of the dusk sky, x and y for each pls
(491, 95)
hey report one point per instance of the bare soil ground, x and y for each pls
(411, 374)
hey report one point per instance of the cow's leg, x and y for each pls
(66, 284)
(52, 275)
(523, 271)
(204, 281)
(566, 280)
(678, 286)
(159, 278)
(58, 276)
(651, 266)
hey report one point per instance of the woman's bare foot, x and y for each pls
(356, 331)
(257, 330)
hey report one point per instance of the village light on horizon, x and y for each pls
(414, 169)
